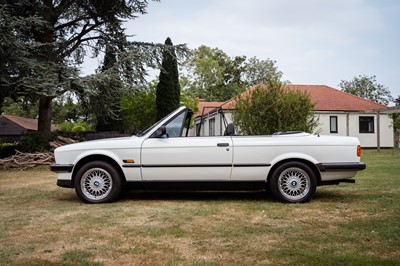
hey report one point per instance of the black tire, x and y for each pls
(293, 182)
(97, 182)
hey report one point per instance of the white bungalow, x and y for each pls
(339, 113)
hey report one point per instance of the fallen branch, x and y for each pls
(23, 160)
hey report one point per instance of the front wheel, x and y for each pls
(97, 182)
(293, 182)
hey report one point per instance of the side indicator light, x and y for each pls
(129, 161)
(359, 151)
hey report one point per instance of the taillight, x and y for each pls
(359, 151)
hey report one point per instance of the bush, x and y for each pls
(8, 149)
(271, 108)
(36, 141)
(76, 127)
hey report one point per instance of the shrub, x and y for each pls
(79, 126)
(36, 141)
(271, 108)
(77, 129)
(8, 149)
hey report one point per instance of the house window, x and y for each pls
(333, 124)
(367, 124)
(211, 127)
(198, 127)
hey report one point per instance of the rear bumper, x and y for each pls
(341, 166)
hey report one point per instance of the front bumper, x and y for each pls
(64, 174)
(62, 168)
(65, 183)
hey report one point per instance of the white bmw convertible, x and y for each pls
(289, 165)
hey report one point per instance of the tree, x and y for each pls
(396, 122)
(261, 71)
(367, 88)
(168, 88)
(20, 106)
(214, 76)
(271, 108)
(105, 98)
(47, 39)
(139, 109)
(66, 108)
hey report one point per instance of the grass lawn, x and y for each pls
(349, 224)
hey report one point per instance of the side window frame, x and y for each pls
(333, 121)
(211, 127)
(366, 124)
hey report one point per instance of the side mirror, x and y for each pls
(161, 132)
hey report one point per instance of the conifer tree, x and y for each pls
(168, 88)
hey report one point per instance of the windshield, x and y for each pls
(142, 133)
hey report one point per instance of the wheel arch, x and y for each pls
(310, 164)
(98, 157)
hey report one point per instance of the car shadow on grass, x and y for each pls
(333, 196)
(196, 195)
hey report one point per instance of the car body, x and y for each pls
(291, 165)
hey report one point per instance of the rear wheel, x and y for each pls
(293, 182)
(97, 182)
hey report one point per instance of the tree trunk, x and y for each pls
(44, 121)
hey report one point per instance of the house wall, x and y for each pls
(219, 124)
(347, 125)
(10, 131)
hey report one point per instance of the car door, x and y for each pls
(173, 157)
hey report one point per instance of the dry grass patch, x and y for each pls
(356, 224)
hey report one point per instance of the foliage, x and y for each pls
(261, 71)
(367, 88)
(21, 106)
(207, 73)
(36, 141)
(67, 109)
(43, 42)
(268, 109)
(102, 96)
(168, 88)
(396, 116)
(8, 149)
(139, 109)
(214, 76)
(68, 126)
(189, 101)
(396, 123)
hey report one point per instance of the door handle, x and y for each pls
(223, 144)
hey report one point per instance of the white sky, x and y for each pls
(313, 41)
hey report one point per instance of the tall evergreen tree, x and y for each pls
(168, 88)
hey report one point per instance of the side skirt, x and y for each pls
(196, 185)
